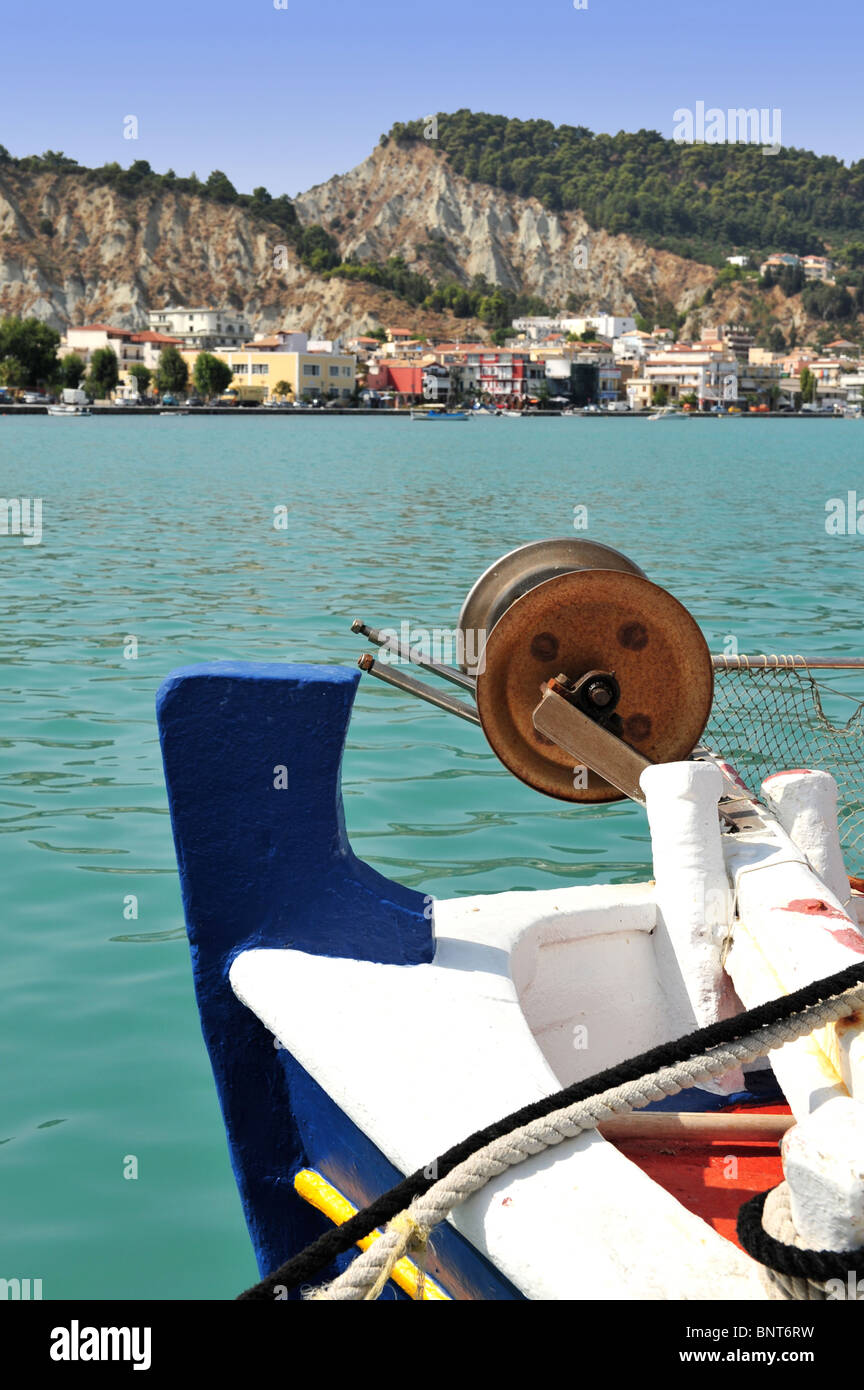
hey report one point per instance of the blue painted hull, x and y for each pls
(263, 865)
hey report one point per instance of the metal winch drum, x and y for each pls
(584, 671)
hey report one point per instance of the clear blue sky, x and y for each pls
(288, 97)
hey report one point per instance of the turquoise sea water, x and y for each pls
(163, 530)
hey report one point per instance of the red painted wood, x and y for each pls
(713, 1180)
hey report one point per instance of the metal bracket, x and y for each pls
(590, 744)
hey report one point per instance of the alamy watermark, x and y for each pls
(448, 647)
(20, 1289)
(845, 515)
(21, 516)
(739, 126)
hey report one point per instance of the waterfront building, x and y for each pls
(397, 378)
(259, 366)
(131, 347)
(686, 370)
(202, 328)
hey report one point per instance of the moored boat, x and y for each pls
(440, 413)
(592, 685)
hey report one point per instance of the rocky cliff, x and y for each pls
(72, 251)
(407, 201)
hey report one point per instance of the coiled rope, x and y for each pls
(432, 1192)
(790, 1270)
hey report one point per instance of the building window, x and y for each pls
(260, 368)
(309, 370)
(334, 371)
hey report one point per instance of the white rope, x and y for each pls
(411, 1228)
(777, 1221)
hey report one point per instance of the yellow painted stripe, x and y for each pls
(324, 1197)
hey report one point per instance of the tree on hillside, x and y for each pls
(142, 376)
(103, 375)
(72, 370)
(826, 301)
(172, 373)
(220, 186)
(33, 345)
(211, 375)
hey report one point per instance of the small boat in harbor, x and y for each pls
(669, 412)
(68, 412)
(655, 1005)
(440, 413)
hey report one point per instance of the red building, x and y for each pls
(402, 378)
(504, 375)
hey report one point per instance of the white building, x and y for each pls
(742, 261)
(436, 382)
(710, 376)
(203, 328)
(817, 268)
(285, 340)
(634, 343)
(604, 325)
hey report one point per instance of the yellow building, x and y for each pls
(257, 371)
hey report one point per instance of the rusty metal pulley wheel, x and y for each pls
(605, 620)
(519, 571)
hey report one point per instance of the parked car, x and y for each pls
(194, 400)
(168, 399)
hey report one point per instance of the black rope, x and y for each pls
(302, 1268)
(817, 1265)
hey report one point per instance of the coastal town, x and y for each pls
(211, 356)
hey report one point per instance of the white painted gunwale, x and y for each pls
(419, 1057)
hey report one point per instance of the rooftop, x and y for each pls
(148, 336)
(101, 328)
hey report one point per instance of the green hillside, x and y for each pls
(698, 200)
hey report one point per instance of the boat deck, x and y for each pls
(702, 1175)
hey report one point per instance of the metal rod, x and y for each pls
(787, 663)
(436, 668)
(411, 686)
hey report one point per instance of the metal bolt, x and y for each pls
(599, 694)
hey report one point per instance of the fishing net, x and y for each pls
(769, 719)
